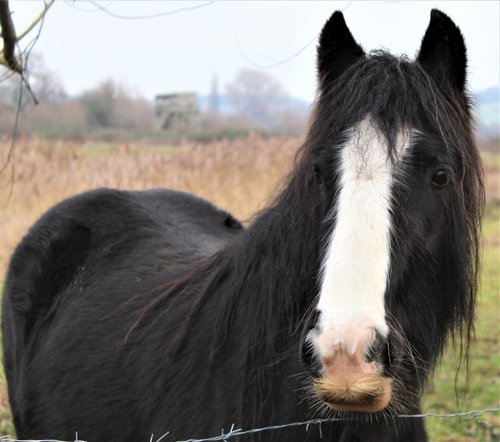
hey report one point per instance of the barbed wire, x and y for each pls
(6, 439)
(234, 432)
(475, 414)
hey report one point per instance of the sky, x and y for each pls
(151, 48)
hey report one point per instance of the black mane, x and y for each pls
(397, 94)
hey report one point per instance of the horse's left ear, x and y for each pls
(337, 49)
(443, 53)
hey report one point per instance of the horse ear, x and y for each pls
(442, 53)
(337, 49)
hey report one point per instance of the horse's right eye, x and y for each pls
(441, 179)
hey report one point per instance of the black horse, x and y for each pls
(127, 314)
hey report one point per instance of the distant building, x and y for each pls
(176, 112)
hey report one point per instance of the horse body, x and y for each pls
(128, 314)
(94, 237)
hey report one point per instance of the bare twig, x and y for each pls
(284, 60)
(36, 21)
(148, 16)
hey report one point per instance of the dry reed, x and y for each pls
(238, 176)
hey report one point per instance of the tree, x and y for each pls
(8, 57)
(46, 83)
(256, 95)
(99, 104)
(113, 105)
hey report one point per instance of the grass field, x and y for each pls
(241, 176)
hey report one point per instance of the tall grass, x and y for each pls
(238, 176)
(241, 177)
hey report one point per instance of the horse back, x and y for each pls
(89, 238)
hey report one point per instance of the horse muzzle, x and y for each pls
(349, 384)
(349, 377)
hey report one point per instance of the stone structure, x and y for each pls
(176, 112)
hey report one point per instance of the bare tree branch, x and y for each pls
(8, 57)
(9, 37)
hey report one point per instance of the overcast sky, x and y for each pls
(183, 51)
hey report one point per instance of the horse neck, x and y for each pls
(270, 272)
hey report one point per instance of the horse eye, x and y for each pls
(440, 179)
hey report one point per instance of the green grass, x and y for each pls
(483, 389)
(491, 159)
(94, 149)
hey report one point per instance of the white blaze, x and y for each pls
(356, 263)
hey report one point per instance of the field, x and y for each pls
(241, 176)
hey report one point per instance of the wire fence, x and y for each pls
(475, 415)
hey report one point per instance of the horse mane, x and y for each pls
(396, 93)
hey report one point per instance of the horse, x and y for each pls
(132, 314)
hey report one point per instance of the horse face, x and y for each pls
(390, 184)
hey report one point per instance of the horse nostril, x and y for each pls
(377, 351)
(231, 222)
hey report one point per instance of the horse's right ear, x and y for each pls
(443, 54)
(337, 49)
